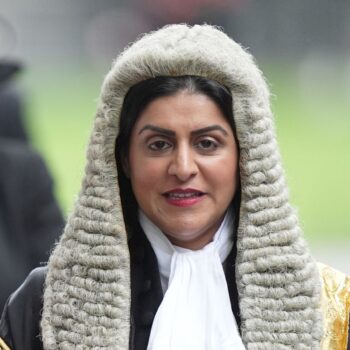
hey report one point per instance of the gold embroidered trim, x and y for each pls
(335, 304)
(3, 345)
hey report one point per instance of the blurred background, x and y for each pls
(303, 47)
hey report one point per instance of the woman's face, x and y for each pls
(183, 167)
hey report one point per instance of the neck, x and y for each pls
(199, 241)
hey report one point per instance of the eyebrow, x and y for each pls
(209, 128)
(169, 132)
(163, 131)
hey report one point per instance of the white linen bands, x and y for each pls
(195, 313)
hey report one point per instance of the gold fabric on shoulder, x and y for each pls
(335, 305)
(3, 345)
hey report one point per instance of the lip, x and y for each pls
(187, 197)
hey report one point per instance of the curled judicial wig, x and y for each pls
(87, 293)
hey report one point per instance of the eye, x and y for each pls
(159, 145)
(207, 145)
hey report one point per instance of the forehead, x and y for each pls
(182, 111)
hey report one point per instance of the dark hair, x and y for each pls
(144, 92)
(136, 100)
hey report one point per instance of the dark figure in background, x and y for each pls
(11, 114)
(30, 219)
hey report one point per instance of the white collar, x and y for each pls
(164, 249)
(195, 313)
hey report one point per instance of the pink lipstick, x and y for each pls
(184, 197)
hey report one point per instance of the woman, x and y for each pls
(187, 240)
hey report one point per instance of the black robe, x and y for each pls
(19, 326)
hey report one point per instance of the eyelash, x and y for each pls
(213, 145)
(152, 146)
(199, 145)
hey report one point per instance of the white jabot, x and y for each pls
(195, 313)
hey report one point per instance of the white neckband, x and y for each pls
(164, 249)
(195, 313)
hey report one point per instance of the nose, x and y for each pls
(183, 164)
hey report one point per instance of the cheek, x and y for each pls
(145, 175)
(224, 175)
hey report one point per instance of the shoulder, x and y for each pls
(334, 279)
(19, 326)
(31, 288)
(20, 159)
(17, 149)
(335, 304)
